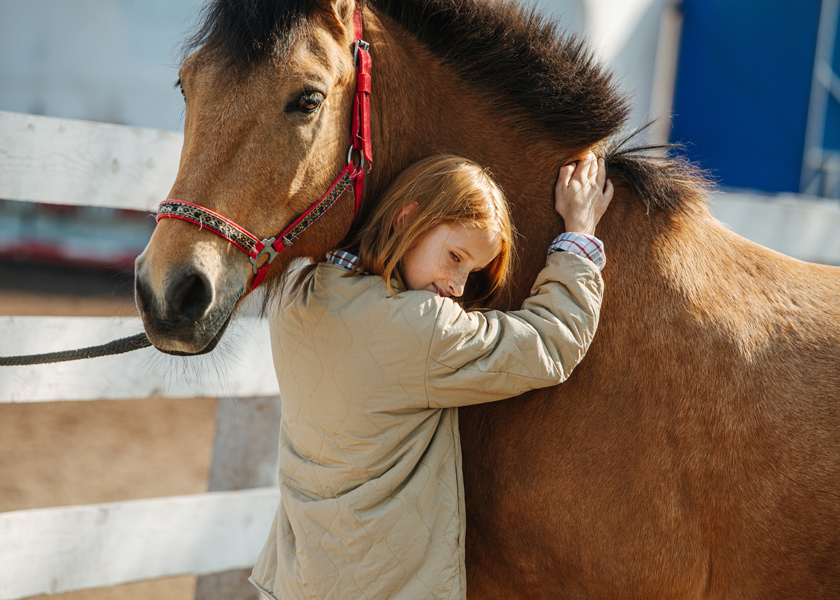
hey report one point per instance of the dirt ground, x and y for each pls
(63, 453)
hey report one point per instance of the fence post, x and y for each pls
(244, 456)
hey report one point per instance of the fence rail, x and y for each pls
(52, 550)
(81, 163)
(61, 549)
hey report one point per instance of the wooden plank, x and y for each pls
(52, 550)
(240, 366)
(66, 161)
(244, 456)
(245, 448)
(232, 585)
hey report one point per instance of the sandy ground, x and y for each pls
(62, 453)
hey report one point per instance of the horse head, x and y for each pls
(266, 131)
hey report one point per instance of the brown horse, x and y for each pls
(695, 453)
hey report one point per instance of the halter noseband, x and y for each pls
(271, 247)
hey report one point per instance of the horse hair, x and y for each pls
(656, 174)
(534, 75)
(239, 33)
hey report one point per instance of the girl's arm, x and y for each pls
(484, 356)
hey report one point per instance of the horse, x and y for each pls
(694, 453)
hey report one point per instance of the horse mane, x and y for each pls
(657, 174)
(543, 81)
(550, 79)
(535, 75)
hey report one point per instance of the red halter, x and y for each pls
(271, 247)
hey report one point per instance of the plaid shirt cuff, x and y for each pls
(581, 244)
(342, 258)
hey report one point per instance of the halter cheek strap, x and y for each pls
(360, 142)
(360, 129)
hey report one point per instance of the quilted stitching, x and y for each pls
(372, 499)
(388, 558)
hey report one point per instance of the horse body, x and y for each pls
(694, 453)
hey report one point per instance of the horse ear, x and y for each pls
(341, 11)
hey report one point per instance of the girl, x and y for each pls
(373, 355)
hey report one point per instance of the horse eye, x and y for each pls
(307, 103)
(180, 84)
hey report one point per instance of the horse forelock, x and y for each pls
(240, 33)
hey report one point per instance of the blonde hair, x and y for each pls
(445, 189)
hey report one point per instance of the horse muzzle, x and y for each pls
(186, 308)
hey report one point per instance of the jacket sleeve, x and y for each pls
(479, 357)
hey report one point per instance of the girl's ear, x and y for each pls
(405, 211)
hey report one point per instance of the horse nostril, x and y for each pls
(142, 296)
(191, 297)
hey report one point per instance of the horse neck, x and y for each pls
(668, 271)
(419, 107)
(411, 103)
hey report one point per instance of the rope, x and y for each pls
(134, 342)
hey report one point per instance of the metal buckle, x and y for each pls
(268, 248)
(359, 44)
(361, 157)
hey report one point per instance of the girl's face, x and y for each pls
(441, 260)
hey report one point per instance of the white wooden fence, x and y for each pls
(216, 534)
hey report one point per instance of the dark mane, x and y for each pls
(535, 73)
(239, 33)
(658, 175)
(550, 80)
(537, 77)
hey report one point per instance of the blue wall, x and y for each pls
(832, 125)
(743, 89)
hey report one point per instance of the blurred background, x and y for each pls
(751, 85)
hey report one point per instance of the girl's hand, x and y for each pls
(582, 194)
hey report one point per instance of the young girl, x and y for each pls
(373, 355)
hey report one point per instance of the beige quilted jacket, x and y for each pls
(370, 460)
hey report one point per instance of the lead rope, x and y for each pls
(120, 346)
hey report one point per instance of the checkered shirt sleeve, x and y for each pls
(342, 258)
(581, 244)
